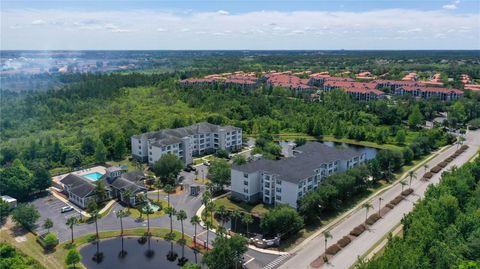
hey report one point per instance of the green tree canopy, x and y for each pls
(26, 216)
(227, 252)
(219, 173)
(168, 167)
(273, 223)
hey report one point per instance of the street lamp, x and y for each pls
(379, 205)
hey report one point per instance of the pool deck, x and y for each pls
(99, 169)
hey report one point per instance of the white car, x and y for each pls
(66, 209)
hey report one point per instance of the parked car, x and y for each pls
(66, 209)
(189, 168)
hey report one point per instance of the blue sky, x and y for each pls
(247, 24)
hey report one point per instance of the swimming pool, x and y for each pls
(93, 176)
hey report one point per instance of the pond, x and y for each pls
(138, 255)
(370, 153)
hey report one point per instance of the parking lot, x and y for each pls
(50, 207)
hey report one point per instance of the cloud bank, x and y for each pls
(141, 29)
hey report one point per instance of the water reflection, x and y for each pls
(149, 255)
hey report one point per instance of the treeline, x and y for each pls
(443, 230)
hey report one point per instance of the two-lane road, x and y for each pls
(348, 256)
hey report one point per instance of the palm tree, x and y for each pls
(181, 216)
(70, 223)
(411, 174)
(208, 225)
(171, 212)
(379, 205)
(95, 216)
(367, 207)
(403, 183)
(247, 220)
(195, 220)
(222, 213)
(211, 209)
(425, 167)
(327, 235)
(148, 211)
(235, 214)
(48, 224)
(140, 203)
(158, 185)
(127, 194)
(206, 196)
(168, 189)
(121, 214)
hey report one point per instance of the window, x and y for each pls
(278, 197)
(267, 192)
(150, 158)
(299, 193)
(245, 183)
(150, 152)
(245, 175)
(278, 182)
(169, 147)
(278, 190)
(139, 147)
(245, 190)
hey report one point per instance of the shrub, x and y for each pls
(449, 159)
(428, 175)
(436, 169)
(48, 240)
(390, 205)
(372, 219)
(464, 147)
(358, 230)
(407, 192)
(344, 241)
(443, 164)
(333, 249)
(397, 200)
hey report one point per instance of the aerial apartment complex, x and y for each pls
(315, 83)
(186, 142)
(286, 180)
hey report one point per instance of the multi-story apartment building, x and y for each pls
(186, 142)
(286, 180)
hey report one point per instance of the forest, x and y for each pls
(442, 231)
(91, 118)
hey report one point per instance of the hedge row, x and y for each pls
(372, 219)
(407, 192)
(358, 230)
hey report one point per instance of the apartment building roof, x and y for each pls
(431, 89)
(288, 81)
(78, 185)
(128, 181)
(294, 169)
(174, 136)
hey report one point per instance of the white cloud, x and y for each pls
(38, 22)
(378, 29)
(452, 5)
(413, 30)
(449, 6)
(223, 12)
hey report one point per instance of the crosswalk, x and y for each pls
(278, 261)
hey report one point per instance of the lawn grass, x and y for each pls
(254, 209)
(134, 213)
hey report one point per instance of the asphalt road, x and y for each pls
(308, 252)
